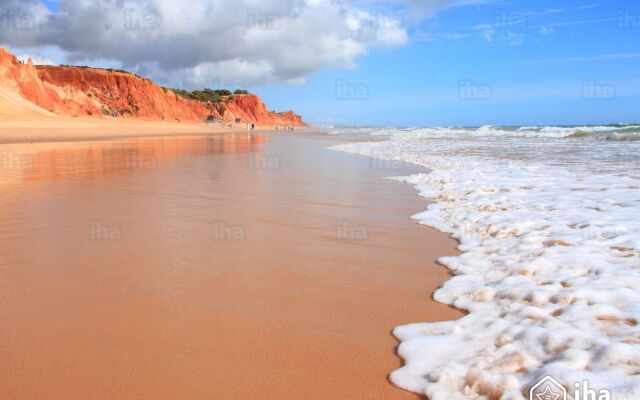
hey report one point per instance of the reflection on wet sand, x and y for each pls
(45, 161)
(228, 267)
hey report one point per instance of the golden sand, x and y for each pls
(231, 266)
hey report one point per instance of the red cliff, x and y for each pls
(251, 109)
(83, 91)
(21, 80)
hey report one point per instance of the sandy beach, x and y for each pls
(319, 200)
(227, 266)
(36, 127)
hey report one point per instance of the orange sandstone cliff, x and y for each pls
(83, 91)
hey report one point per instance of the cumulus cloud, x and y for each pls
(202, 42)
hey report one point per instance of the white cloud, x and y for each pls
(589, 59)
(440, 36)
(36, 60)
(514, 28)
(545, 30)
(43, 56)
(242, 41)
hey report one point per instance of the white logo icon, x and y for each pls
(548, 389)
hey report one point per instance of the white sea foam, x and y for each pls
(617, 132)
(549, 273)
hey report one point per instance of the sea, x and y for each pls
(548, 224)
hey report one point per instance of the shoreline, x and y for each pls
(281, 273)
(519, 280)
(53, 129)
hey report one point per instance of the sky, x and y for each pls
(367, 62)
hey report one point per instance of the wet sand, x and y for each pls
(39, 128)
(221, 267)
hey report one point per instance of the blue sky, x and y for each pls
(516, 63)
(504, 63)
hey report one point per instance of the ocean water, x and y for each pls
(548, 220)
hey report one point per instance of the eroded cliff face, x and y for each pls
(81, 91)
(250, 108)
(19, 80)
(119, 94)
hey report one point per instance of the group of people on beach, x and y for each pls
(285, 128)
(252, 126)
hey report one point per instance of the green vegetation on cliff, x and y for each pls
(209, 95)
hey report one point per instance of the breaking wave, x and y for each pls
(550, 267)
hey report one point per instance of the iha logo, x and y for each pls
(549, 388)
(582, 391)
